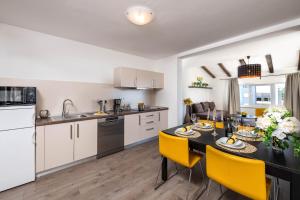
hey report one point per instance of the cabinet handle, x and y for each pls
(71, 132)
(149, 129)
(149, 115)
(139, 119)
(150, 122)
(158, 116)
(77, 130)
(135, 80)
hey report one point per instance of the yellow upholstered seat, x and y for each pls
(242, 175)
(177, 149)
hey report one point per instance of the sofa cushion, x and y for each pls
(205, 106)
(212, 105)
(197, 108)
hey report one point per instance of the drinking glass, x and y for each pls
(235, 124)
(193, 118)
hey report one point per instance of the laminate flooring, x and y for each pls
(127, 175)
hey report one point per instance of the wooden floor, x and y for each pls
(129, 174)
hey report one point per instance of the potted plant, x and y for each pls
(278, 127)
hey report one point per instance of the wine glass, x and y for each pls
(235, 124)
(193, 118)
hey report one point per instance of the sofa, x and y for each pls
(201, 111)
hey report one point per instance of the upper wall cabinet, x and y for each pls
(140, 79)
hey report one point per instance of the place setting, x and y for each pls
(234, 144)
(187, 132)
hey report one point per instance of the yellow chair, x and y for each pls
(177, 150)
(242, 175)
(218, 124)
(259, 112)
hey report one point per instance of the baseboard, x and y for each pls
(56, 169)
(141, 142)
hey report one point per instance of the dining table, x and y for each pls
(284, 165)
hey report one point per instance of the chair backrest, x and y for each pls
(259, 112)
(242, 175)
(174, 148)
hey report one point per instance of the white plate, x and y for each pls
(179, 131)
(237, 145)
(247, 134)
(205, 126)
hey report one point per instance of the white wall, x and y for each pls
(168, 95)
(33, 55)
(283, 46)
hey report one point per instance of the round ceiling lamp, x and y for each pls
(139, 15)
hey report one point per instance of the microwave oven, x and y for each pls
(17, 95)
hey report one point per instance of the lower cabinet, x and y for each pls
(60, 144)
(85, 144)
(143, 126)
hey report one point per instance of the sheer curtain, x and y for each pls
(292, 94)
(233, 96)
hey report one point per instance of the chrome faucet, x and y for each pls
(65, 112)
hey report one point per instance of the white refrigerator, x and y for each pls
(17, 146)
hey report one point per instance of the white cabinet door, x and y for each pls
(59, 143)
(144, 79)
(125, 77)
(40, 149)
(132, 132)
(158, 80)
(162, 120)
(85, 139)
(17, 117)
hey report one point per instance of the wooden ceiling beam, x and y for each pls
(224, 69)
(208, 72)
(270, 63)
(242, 61)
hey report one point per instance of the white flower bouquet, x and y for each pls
(278, 127)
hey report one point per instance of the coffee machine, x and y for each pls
(117, 105)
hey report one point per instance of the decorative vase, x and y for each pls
(187, 118)
(277, 145)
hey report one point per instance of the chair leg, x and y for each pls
(202, 170)
(208, 187)
(162, 182)
(204, 190)
(190, 177)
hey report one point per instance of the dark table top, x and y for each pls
(282, 163)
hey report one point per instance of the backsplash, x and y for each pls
(51, 94)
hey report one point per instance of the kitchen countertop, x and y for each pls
(74, 118)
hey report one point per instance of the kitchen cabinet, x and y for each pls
(139, 127)
(40, 148)
(125, 77)
(59, 143)
(163, 120)
(144, 79)
(85, 144)
(136, 78)
(158, 80)
(132, 129)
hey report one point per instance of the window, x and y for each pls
(263, 94)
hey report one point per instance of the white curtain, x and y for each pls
(292, 94)
(233, 96)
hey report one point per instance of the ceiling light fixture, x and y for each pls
(249, 70)
(139, 15)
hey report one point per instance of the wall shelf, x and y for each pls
(201, 87)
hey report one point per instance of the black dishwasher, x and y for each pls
(110, 135)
